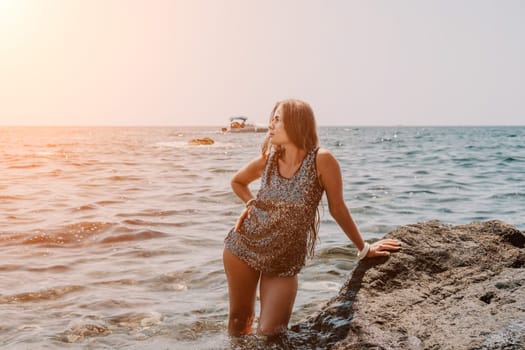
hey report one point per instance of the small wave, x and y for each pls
(118, 282)
(87, 207)
(140, 325)
(430, 159)
(509, 195)
(467, 162)
(53, 268)
(320, 285)
(85, 164)
(172, 144)
(185, 144)
(156, 213)
(54, 173)
(195, 330)
(139, 222)
(222, 170)
(149, 234)
(10, 198)
(67, 235)
(12, 238)
(512, 160)
(419, 192)
(450, 199)
(53, 145)
(136, 320)
(123, 178)
(478, 218)
(9, 268)
(336, 252)
(143, 253)
(26, 166)
(44, 295)
(79, 332)
(108, 202)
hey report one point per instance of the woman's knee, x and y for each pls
(240, 323)
(241, 317)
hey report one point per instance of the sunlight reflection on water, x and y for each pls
(112, 237)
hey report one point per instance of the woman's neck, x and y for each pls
(292, 155)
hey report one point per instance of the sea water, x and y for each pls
(112, 237)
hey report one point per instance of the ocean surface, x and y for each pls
(111, 238)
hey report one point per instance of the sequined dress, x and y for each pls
(279, 232)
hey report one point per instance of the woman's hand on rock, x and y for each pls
(383, 248)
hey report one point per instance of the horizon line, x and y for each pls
(221, 126)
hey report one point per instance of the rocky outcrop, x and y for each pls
(201, 141)
(450, 287)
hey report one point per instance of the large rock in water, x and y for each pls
(450, 287)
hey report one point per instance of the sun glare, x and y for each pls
(10, 11)
(13, 20)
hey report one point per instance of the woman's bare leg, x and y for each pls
(242, 287)
(277, 299)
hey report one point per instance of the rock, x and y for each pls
(202, 141)
(450, 287)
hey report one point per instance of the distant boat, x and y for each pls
(240, 123)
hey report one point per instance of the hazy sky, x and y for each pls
(196, 62)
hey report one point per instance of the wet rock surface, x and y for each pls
(450, 287)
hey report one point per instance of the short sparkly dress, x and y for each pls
(279, 232)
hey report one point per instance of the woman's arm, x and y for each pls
(251, 172)
(330, 176)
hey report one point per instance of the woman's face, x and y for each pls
(278, 135)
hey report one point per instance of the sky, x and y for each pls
(197, 62)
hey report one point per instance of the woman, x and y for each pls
(278, 229)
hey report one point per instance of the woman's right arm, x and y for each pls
(251, 172)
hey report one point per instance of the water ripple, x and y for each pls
(112, 237)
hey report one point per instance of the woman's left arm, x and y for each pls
(330, 177)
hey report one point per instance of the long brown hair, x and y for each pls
(300, 126)
(299, 123)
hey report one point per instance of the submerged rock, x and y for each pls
(450, 287)
(201, 141)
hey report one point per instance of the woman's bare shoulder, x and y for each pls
(326, 162)
(325, 156)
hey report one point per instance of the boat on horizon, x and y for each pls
(240, 123)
